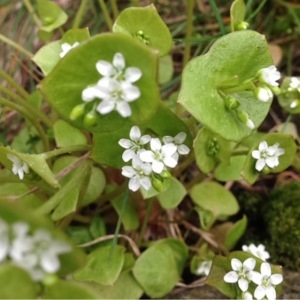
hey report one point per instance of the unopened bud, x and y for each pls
(263, 94)
(294, 104)
(231, 103)
(77, 111)
(244, 118)
(157, 184)
(165, 174)
(241, 25)
(90, 118)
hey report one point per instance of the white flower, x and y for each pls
(266, 282)
(116, 95)
(135, 144)
(159, 156)
(139, 174)
(266, 155)
(241, 273)
(19, 167)
(250, 124)
(4, 239)
(269, 76)
(294, 84)
(178, 142)
(204, 268)
(294, 103)
(66, 48)
(117, 70)
(259, 251)
(263, 94)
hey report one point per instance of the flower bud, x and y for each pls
(90, 118)
(231, 103)
(77, 111)
(241, 25)
(157, 183)
(244, 118)
(263, 94)
(165, 174)
(295, 103)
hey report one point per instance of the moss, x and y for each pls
(281, 215)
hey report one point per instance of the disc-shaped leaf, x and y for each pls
(64, 85)
(241, 55)
(285, 141)
(145, 25)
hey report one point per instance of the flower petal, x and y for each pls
(133, 74)
(105, 107)
(134, 183)
(249, 264)
(265, 269)
(157, 166)
(259, 292)
(236, 264)
(276, 279)
(125, 143)
(270, 293)
(123, 108)
(231, 277)
(260, 164)
(243, 284)
(119, 61)
(105, 68)
(135, 133)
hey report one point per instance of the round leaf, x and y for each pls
(239, 54)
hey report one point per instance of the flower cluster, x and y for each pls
(258, 251)
(115, 89)
(36, 252)
(243, 274)
(267, 156)
(266, 83)
(150, 157)
(19, 167)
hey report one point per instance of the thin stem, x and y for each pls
(146, 220)
(240, 88)
(31, 11)
(79, 14)
(189, 30)
(288, 119)
(216, 12)
(258, 9)
(118, 227)
(12, 82)
(31, 118)
(64, 150)
(38, 114)
(15, 46)
(114, 7)
(106, 15)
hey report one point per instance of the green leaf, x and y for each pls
(165, 69)
(214, 198)
(63, 289)
(128, 215)
(210, 149)
(237, 13)
(145, 25)
(103, 266)
(173, 195)
(285, 141)
(48, 56)
(51, 14)
(157, 269)
(66, 135)
(236, 232)
(241, 54)
(77, 70)
(227, 171)
(36, 162)
(66, 199)
(16, 283)
(97, 227)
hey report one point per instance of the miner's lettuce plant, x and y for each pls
(111, 142)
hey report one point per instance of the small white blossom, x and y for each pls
(19, 167)
(270, 75)
(250, 124)
(139, 174)
(66, 48)
(267, 155)
(241, 273)
(294, 84)
(135, 144)
(266, 282)
(159, 156)
(204, 268)
(294, 103)
(263, 94)
(258, 251)
(178, 142)
(117, 69)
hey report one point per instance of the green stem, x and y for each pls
(79, 14)
(258, 9)
(240, 88)
(13, 83)
(38, 114)
(31, 11)
(288, 119)
(69, 149)
(118, 227)
(189, 30)
(216, 12)
(146, 220)
(106, 15)
(31, 118)
(114, 7)
(15, 46)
